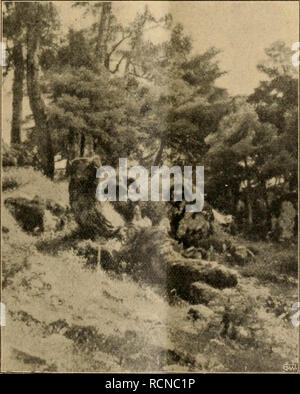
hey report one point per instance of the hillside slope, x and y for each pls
(64, 316)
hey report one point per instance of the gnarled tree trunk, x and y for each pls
(103, 28)
(37, 104)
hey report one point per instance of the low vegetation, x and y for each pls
(64, 315)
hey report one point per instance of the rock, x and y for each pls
(193, 228)
(201, 293)
(28, 213)
(181, 274)
(33, 215)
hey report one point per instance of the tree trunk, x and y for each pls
(103, 27)
(249, 197)
(250, 211)
(17, 90)
(73, 148)
(37, 104)
(74, 144)
(89, 146)
(158, 158)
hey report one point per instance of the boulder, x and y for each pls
(5, 229)
(28, 213)
(33, 215)
(193, 228)
(181, 274)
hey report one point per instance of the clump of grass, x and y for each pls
(287, 263)
(274, 267)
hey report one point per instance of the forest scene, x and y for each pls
(145, 286)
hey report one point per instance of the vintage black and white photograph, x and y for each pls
(149, 202)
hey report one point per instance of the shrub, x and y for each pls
(275, 266)
(9, 183)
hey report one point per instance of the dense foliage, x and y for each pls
(110, 90)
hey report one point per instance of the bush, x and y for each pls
(9, 183)
(287, 263)
(17, 155)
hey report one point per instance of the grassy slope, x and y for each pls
(62, 316)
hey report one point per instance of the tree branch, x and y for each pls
(118, 65)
